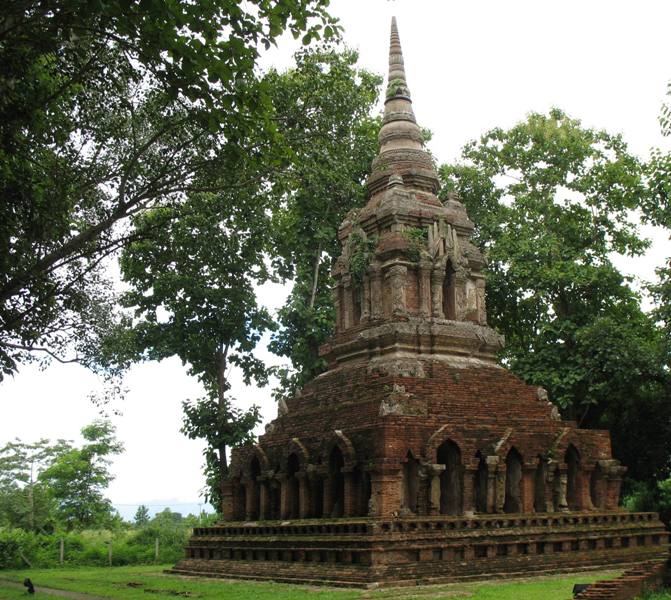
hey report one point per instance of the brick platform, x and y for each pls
(365, 552)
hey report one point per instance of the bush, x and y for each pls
(645, 497)
(90, 548)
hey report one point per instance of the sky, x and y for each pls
(470, 66)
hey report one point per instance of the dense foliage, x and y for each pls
(553, 202)
(325, 105)
(194, 272)
(107, 109)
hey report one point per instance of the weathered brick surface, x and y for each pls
(360, 552)
(631, 584)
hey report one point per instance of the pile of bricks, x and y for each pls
(630, 584)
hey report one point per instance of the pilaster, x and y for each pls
(424, 288)
(492, 467)
(397, 276)
(375, 291)
(437, 279)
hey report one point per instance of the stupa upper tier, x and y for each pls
(401, 142)
(409, 282)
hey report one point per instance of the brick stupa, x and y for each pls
(415, 456)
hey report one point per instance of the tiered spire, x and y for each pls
(396, 66)
(401, 143)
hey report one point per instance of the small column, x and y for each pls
(434, 495)
(562, 504)
(614, 486)
(482, 306)
(424, 280)
(551, 473)
(227, 507)
(430, 474)
(284, 495)
(397, 276)
(492, 464)
(470, 473)
(263, 498)
(461, 304)
(375, 291)
(437, 279)
(500, 487)
(303, 495)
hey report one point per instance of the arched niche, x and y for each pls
(356, 304)
(255, 487)
(410, 482)
(451, 479)
(336, 501)
(361, 490)
(572, 461)
(274, 497)
(513, 497)
(293, 494)
(449, 292)
(241, 501)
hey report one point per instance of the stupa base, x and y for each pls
(371, 552)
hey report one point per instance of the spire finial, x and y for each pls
(402, 156)
(396, 85)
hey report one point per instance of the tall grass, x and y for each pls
(91, 548)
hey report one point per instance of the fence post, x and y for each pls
(156, 550)
(109, 552)
(61, 552)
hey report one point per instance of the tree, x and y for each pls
(24, 499)
(194, 269)
(324, 106)
(141, 516)
(193, 296)
(552, 202)
(109, 109)
(657, 210)
(78, 478)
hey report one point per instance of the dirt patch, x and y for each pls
(176, 593)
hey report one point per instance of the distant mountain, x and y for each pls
(127, 511)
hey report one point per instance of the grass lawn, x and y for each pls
(149, 583)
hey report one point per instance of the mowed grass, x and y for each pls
(149, 583)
